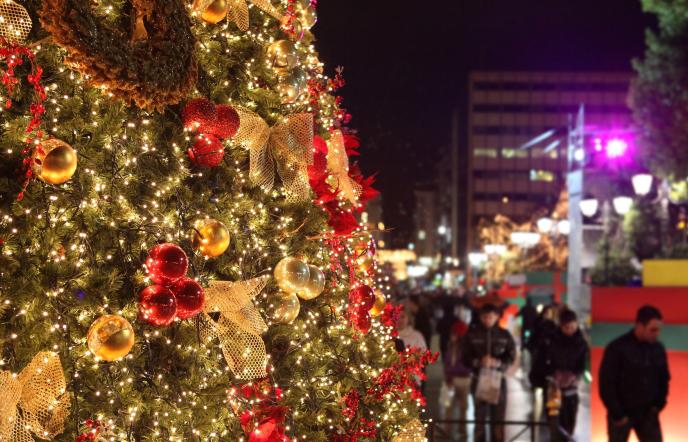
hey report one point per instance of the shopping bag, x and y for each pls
(446, 395)
(489, 385)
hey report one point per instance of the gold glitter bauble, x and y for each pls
(56, 164)
(110, 337)
(282, 56)
(292, 85)
(210, 237)
(380, 302)
(315, 285)
(215, 12)
(286, 308)
(306, 13)
(292, 274)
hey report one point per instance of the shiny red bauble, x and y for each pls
(190, 297)
(227, 122)
(361, 321)
(166, 263)
(363, 297)
(199, 115)
(157, 305)
(207, 151)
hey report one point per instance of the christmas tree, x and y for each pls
(180, 257)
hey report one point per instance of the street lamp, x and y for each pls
(495, 249)
(622, 204)
(545, 225)
(525, 240)
(588, 207)
(642, 183)
(564, 227)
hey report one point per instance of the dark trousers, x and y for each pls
(485, 412)
(561, 427)
(646, 427)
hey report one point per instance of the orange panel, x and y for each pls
(673, 418)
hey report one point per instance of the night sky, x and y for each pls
(406, 67)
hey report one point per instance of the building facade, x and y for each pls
(509, 109)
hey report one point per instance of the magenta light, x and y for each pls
(616, 148)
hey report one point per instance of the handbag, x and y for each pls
(489, 386)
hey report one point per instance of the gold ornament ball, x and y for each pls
(286, 308)
(315, 285)
(110, 337)
(291, 86)
(210, 237)
(282, 56)
(380, 302)
(215, 12)
(292, 274)
(306, 13)
(57, 163)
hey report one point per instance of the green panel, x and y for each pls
(539, 278)
(563, 278)
(674, 337)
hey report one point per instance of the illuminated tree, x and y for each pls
(169, 157)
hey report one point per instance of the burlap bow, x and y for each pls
(287, 147)
(338, 164)
(237, 11)
(34, 401)
(238, 327)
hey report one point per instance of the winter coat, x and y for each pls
(634, 377)
(559, 353)
(474, 346)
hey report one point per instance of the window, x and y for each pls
(508, 152)
(541, 175)
(484, 152)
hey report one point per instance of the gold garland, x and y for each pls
(338, 164)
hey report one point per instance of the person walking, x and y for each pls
(528, 315)
(489, 350)
(457, 377)
(634, 380)
(421, 319)
(561, 361)
(408, 334)
(444, 326)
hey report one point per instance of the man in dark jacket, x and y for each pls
(634, 380)
(561, 361)
(528, 315)
(487, 345)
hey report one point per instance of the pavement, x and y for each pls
(520, 406)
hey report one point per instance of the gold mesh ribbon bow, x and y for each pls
(239, 326)
(338, 164)
(413, 431)
(237, 11)
(287, 147)
(34, 401)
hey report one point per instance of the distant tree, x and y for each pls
(659, 93)
(642, 229)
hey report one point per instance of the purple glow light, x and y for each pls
(616, 148)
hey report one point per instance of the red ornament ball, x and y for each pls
(157, 305)
(208, 151)
(363, 297)
(199, 114)
(190, 297)
(166, 263)
(361, 322)
(227, 121)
